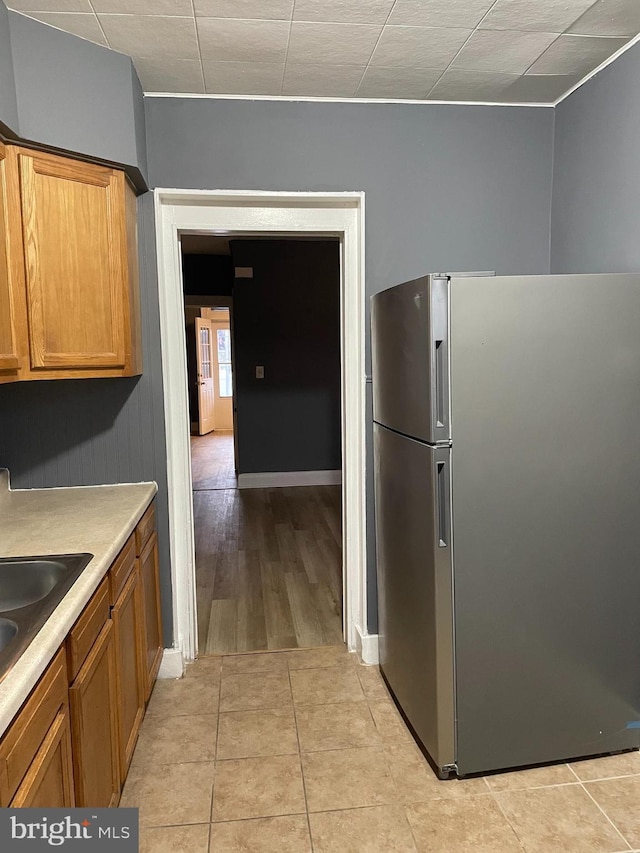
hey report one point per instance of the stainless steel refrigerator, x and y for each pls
(507, 490)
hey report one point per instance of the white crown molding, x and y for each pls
(601, 67)
(297, 99)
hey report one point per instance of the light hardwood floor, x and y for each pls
(268, 564)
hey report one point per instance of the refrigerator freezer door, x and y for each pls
(545, 379)
(410, 351)
(414, 585)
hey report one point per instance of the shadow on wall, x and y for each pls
(65, 416)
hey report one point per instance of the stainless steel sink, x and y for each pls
(23, 582)
(30, 590)
(8, 630)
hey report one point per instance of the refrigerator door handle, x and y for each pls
(442, 503)
(439, 354)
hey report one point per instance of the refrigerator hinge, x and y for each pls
(448, 771)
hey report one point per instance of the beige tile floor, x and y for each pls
(294, 752)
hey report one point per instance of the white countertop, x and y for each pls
(94, 519)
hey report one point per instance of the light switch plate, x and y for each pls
(259, 371)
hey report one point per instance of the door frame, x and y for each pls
(276, 214)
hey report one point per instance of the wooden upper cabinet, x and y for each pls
(9, 360)
(75, 262)
(69, 269)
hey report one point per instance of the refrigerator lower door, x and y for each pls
(413, 531)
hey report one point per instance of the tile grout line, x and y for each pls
(593, 799)
(496, 800)
(215, 764)
(304, 786)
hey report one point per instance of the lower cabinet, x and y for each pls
(94, 725)
(129, 625)
(72, 741)
(49, 781)
(152, 616)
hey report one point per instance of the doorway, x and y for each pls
(268, 544)
(270, 214)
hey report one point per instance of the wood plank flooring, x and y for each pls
(212, 464)
(268, 564)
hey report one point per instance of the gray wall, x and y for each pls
(287, 319)
(90, 431)
(596, 186)
(8, 106)
(71, 94)
(447, 187)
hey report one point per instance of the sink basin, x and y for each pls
(8, 630)
(30, 590)
(23, 582)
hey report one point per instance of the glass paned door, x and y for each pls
(224, 363)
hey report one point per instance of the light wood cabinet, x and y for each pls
(128, 621)
(94, 725)
(9, 361)
(23, 740)
(49, 780)
(153, 645)
(72, 741)
(75, 293)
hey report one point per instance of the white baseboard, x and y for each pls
(172, 665)
(367, 647)
(275, 479)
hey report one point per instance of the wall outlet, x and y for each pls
(259, 371)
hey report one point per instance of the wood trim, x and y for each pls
(30, 726)
(145, 527)
(81, 732)
(59, 735)
(87, 628)
(133, 341)
(121, 569)
(8, 359)
(69, 169)
(15, 256)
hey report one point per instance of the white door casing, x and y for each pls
(276, 214)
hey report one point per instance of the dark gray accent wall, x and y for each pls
(447, 187)
(92, 431)
(596, 185)
(77, 96)
(8, 105)
(287, 319)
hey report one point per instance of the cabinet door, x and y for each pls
(152, 617)
(9, 360)
(74, 231)
(49, 780)
(128, 622)
(94, 725)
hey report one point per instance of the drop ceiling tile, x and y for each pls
(576, 54)
(147, 35)
(343, 11)
(610, 18)
(547, 16)
(243, 78)
(540, 88)
(77, 23)
(502, 50)
(50, 6)
(457, 85)
(418, 47)
(181, 8)
(331, 44)
(230, 40)
(440, 13)
(322, 81)
(170, 75)
(269, 10)
(412, 83)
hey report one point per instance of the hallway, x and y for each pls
(268, 561)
